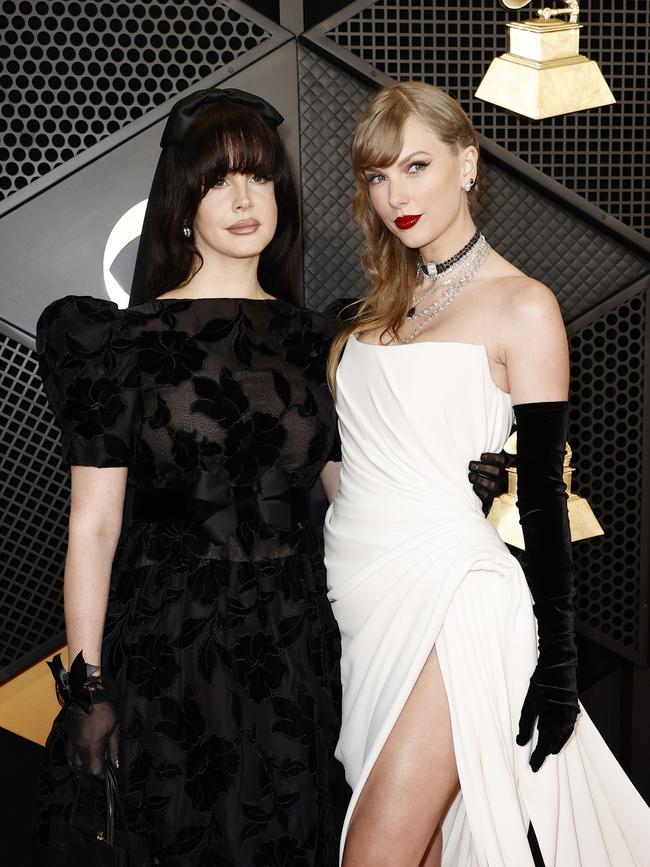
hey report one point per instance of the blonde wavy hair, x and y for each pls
(377, 143)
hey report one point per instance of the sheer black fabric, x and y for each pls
(219, 634)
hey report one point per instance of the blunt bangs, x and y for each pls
(226, 137)
(232, 138)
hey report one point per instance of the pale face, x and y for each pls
(421, 195)
(237, 217)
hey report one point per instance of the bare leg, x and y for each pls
(410, 786)
(433, 855)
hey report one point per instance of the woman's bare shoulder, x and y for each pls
(521, 298)
(531, 304)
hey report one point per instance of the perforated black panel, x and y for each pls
(73, 73)
(606, 434)
(451, 44)
(34, 497)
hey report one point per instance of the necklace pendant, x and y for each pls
(468, 263)
(426, 270)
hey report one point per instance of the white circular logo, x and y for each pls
(127, 229)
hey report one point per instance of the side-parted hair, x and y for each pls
(377, 143)
(225, 137)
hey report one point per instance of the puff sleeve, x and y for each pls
(88, 366)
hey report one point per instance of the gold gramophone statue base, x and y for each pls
(544, 74)
(504, 515)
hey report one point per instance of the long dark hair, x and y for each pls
(224, 137)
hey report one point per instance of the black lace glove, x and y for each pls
(489, 477)
(552, 696)
(91, 716)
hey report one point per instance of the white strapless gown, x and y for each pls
(412, 563)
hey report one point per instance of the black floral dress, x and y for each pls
(218, 634)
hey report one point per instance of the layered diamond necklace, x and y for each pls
(450, 275)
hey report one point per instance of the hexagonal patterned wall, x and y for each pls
(73, 73)
(606, 434)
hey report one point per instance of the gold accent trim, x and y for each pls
(544, 64)
(548, 12)
(543, 26)
(28, 702)
(543, 74)
(545, 92)
(504, 515)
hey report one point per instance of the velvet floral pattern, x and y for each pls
(219, 634)
(171, 356)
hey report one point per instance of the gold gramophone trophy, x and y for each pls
(504, 515)
(544, 73)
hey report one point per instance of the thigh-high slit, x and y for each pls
(412, 564)
(410, 785)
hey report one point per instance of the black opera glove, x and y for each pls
(91, 716)
(489, 477)
(552, 696)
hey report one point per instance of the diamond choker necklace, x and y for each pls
(459, 270)
(433, 271)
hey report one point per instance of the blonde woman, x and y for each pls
(462, 737)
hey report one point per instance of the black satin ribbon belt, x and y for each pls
(220, 507)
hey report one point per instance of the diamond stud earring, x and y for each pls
(187, 232)
(469, 185)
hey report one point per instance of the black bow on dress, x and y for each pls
(220, 508)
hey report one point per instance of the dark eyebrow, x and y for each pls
(402, 162)
(410, 157)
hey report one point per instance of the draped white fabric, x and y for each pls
(413, 564)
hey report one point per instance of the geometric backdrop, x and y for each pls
(76, 72)
(597, 267)
(34, 499)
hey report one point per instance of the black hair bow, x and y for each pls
(185, 111)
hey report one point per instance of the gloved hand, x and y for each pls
(489, 477)
(91, 716)
(552, 697)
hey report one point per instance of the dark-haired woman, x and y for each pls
(205, 658)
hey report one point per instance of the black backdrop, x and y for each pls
(566, 201)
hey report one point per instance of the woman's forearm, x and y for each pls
(330, 476)
(95, 525)
(85, 590)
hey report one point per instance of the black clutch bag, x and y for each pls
(91, 840)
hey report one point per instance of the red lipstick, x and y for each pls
(407, 221)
